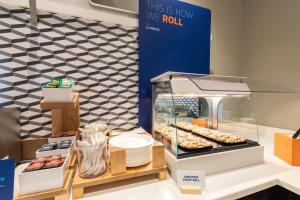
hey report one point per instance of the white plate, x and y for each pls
(138, 148)
(131, 141)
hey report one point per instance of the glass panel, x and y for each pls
(189, 111)
(236, 116)
(164, 116)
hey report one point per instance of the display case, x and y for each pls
(202, 114)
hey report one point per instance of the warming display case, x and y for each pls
(202, 114)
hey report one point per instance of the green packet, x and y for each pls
(66, 83)
(59, 83)
(49, 85)
(55, 82)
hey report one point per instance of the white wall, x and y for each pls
(227, 35)
(271, 51)
(259, 39)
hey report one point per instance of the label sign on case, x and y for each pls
(191, 182)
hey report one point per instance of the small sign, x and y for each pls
(7, 171)
(191, 178)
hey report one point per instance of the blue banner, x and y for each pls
(7, 171)
(173, 36)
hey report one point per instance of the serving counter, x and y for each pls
(227, 185)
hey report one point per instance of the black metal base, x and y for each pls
(217, 147)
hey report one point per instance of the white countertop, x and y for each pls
(228, 185)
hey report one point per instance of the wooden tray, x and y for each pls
(57, 194)
(118, 171)
(73, 159)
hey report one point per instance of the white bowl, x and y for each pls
(138, 148)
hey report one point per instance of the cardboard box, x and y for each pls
(58, 94)
(287, 148)
(42, 180)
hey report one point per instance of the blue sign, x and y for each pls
(173, 36)
(7, 171)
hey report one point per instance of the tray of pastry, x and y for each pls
(185, 139)
(214, 135)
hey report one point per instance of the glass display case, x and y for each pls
(202, 114)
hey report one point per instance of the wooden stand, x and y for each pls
(117, 161)
(57, 194)
(65, 115)
(118, 170)
(73, 159)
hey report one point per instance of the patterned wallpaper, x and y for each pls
(101, 57)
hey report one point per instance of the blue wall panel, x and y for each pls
(173, 36)
(7, 171)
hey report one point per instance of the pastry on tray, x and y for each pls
(184, 139)
(212, 134)
(185, 126)
(193, 142)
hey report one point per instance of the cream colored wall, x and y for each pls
(259, 39)
(227, 34)
(271, 51)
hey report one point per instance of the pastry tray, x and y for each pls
(217, 147)
(207, 138)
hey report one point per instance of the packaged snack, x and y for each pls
(55, 157)
(38, 160)
(67, 141)
(49, 85)
(66, 83)
(50, 158)
(46, 148)
(55, 82)
(62, 160)
(34, 166)
(59, 83)
(63, 145)
(53, 163)
(50, 146)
